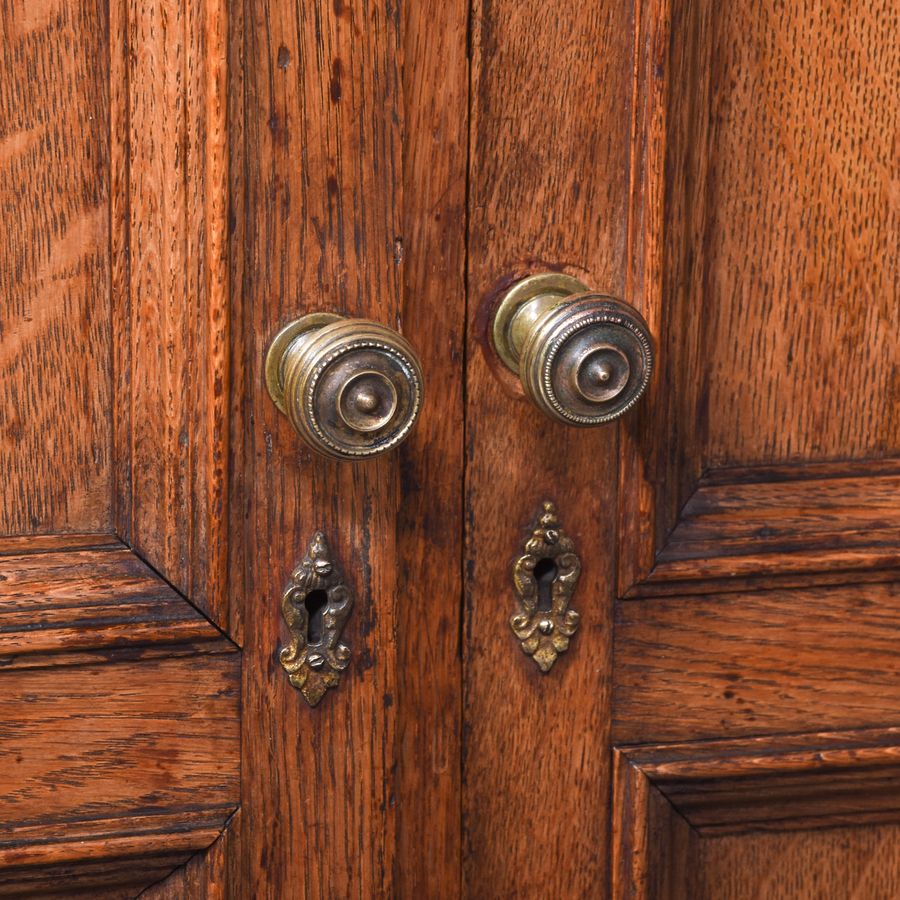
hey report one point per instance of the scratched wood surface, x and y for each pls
(758, 520)
(113, 764)
(212, 874)
(691, 819)
(119, 720)
(767, 661)
(55, 348)
(430, 517)
(61, 608)
(547, 181)
(120, 707)
(763, 247)
(331, 132)
(777, 782)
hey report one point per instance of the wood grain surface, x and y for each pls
(662, 440)
(330, 130)
(547, 189)
(761, 215)
(761, 523)
(675, 802)
(804, 217)
(209, 875)
(777, 783)
(71, 606)
(115, 762)
(55, 348)
(836, 864)
(758, 662)
(430, 537)
(169, 172)
(119, 721)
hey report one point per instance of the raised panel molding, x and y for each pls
(669, 799)
(790, 360)
(169, 202)
(780, 525)
(119, 720)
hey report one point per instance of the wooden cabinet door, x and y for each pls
(724, 721)
(179, 179)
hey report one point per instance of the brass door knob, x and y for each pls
(582, 357)
(351, 388)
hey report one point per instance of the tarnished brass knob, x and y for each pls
(351, 388)
(583, 358)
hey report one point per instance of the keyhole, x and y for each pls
(315, 604)
(545, 574)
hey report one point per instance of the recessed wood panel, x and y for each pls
(832, 864)
(760, 662)
(55, 344)
(803, 258)
(763, 249)
(119, 720)
(110, 760)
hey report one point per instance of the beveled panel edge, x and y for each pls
(776, 782)
(863, 545)
(103, 604)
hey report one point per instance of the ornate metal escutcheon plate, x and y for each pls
(544, 623)
(315, 657)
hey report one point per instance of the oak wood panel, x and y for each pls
(113, 762)
(92, 880)
(662, 439)
(803, 261)
(64, 607)
(764, 661)
(548, 182)
(836, 864)
(430, 526)
(759, 248)
(673, 802)
(168, 66)
(668, 873)
(23, 545)
(55, 349)
(650, 842)
(323, 208)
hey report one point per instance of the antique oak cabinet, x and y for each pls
(242, 655)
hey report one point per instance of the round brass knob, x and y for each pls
(351, 388)
(583, 358)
